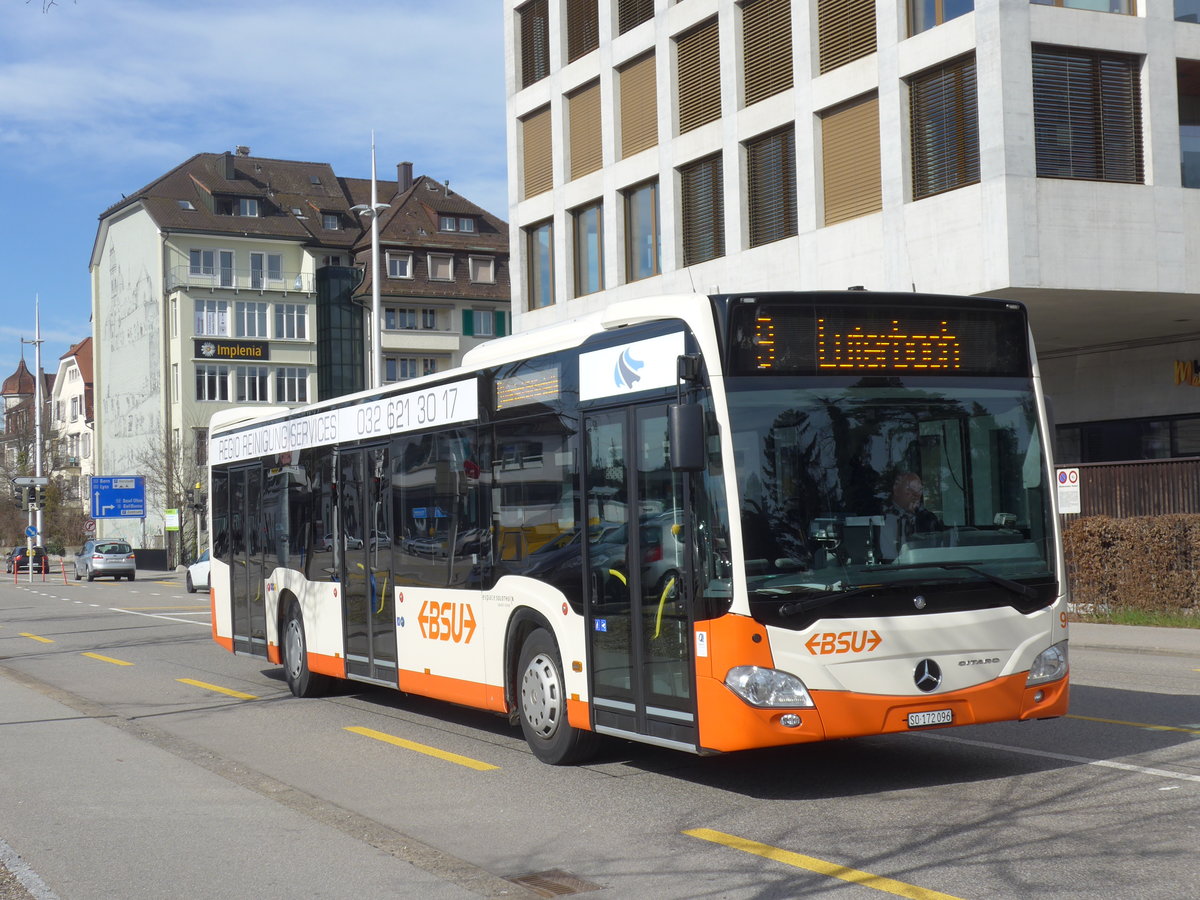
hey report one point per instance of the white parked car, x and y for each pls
(197, 574)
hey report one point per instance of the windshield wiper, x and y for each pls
(834, 595)
(1021, 590)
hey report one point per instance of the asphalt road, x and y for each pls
(138, 760)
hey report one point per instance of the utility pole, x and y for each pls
(35, 517)
(373, 211)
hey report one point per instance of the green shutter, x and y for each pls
(468, 323)
(499, 324)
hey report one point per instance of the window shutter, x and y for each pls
(944, 118)
(699, 77)
(631, 13)
(535, 41)
(639, 106)
(583, 28)
(703, 210)
(766, 49)
(583, 109)
(846, 31)
(1087, 112)
(771, 177)
(468, 320)
(850, 160)
(538, 162)
(500, 332)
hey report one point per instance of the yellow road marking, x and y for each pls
(34, 637)
(219, 690)
(422, 748)
(820, 866)
(108, 659)
(1136, 724)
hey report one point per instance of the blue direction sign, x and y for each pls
(118, 497)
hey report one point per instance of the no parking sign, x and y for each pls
(1068, 491)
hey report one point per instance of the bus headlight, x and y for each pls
(1050, 665)
(768, 687)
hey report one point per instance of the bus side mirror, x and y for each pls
(685, 423)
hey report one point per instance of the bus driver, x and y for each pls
(905, 515)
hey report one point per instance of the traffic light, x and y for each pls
(39, 497)
(191, 497)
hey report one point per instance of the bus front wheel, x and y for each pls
(543, 705)
(302, 680)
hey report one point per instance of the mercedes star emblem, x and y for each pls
(928, 675)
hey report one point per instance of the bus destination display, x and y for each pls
(807, 340)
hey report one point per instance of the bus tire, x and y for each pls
(302, 680)
(542, 704)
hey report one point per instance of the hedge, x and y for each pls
(1146, 563)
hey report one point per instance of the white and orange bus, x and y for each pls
(705, 523)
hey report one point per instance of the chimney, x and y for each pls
(403, 177)
(230, 171)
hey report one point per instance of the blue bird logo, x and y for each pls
(625, 373)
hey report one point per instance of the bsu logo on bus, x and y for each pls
(447, 622)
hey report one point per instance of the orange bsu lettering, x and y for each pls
(823, 644)
(447, 622)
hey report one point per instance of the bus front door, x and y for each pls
(247, 546)
(639, 610)
(364, 507)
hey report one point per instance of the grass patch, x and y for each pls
(1140, 617)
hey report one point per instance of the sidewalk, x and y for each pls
(1136, 638)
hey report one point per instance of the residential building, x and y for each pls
(204, 297)
(1047, 152)
(443, 273)
(19, 393)
(72, 423)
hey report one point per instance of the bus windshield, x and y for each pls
(856, 485)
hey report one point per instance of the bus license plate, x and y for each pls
(932, 717)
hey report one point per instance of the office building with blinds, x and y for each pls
(1047, 152)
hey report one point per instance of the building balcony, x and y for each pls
(421, 339)
(260, 281)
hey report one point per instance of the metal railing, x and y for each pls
(221, 278)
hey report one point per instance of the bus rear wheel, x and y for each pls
(543, 705)
(302, 680)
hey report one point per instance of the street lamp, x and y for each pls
(36, 512)
(372, 212)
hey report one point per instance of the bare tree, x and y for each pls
(171, 474)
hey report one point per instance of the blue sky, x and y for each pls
(100, 97)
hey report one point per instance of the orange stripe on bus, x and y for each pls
(321, 664)
(274, 654)
(731, 642)
(727, 724)
(579, 714)
(456, 690)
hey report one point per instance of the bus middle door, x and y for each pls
(363, 533)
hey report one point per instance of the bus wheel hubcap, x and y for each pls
(541, 696)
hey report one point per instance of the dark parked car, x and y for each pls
(25, 560)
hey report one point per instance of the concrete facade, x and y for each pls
(1109, 270)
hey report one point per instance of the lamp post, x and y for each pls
(372, 212)
(36, 517)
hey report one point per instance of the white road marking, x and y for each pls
(133, 612)
(1081, 760)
